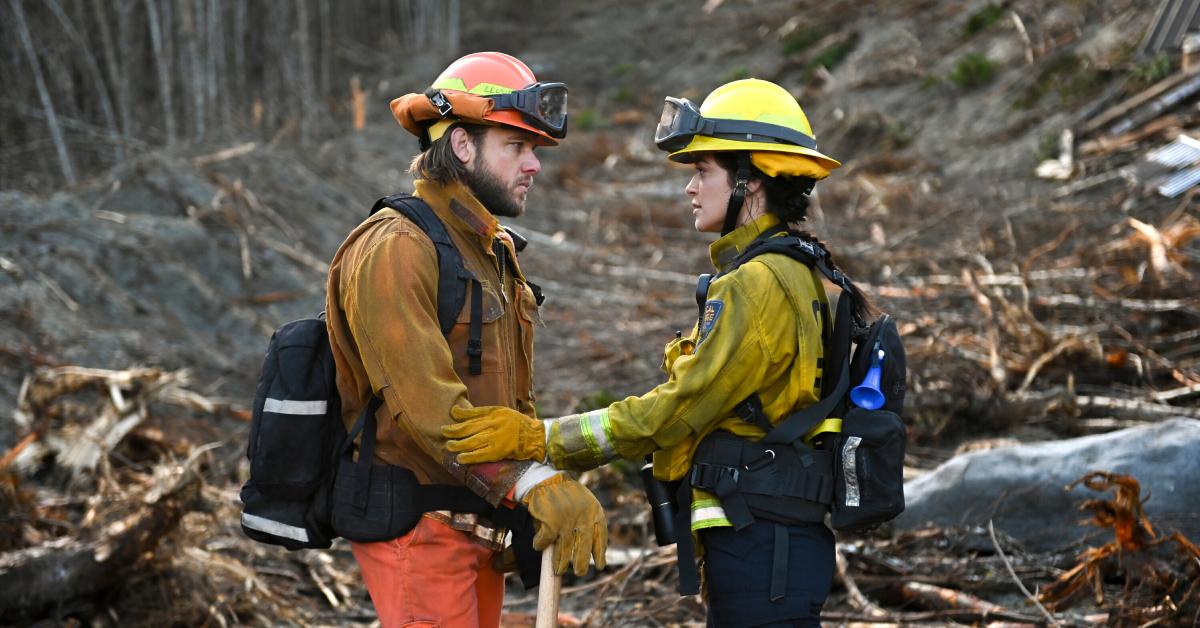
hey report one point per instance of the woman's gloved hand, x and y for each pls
(568, 516)
(492, 433)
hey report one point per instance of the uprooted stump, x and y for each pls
(1159, 576)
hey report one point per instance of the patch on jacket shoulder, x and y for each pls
(712, 310)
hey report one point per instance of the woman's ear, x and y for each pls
(462, 145)
(753, 186)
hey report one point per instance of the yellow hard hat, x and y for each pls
(747, 115)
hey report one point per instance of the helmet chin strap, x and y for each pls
(738, 196)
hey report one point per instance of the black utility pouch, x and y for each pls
(869, 459)
(388, 511)
(293, 524)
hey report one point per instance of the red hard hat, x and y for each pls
(488, 73)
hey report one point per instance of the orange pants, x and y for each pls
(433, 576)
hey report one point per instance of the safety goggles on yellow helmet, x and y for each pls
(681, 121)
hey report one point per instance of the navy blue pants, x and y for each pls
(738, 567)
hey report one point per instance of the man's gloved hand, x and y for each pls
(568, 516)
(491, 433)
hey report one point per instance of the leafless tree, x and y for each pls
(87, 82)
(60, 145)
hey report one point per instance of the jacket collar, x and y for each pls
(459, 209)
(725, 250)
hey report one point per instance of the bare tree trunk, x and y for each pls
(169, 63)
(239, 54)
(60, 146)
(452, 35)
(97, 77)
(212, 26)
(304, 90)
(224, 85)
(114, 72)
(164, 75)
(279, 91)
(125, 40)
(192, 18)
(326, 44)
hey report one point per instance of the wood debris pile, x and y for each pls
(932, 576)
(1079, 307)
(118, 506)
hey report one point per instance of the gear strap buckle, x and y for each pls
(440, 101)
(707, 476)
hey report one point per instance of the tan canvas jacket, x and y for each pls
(382, 319)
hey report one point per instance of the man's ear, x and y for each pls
(462, 145)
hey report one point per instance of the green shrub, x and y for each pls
(1048, 146)
(983, 18)
(1152, 70)
(621, 69)
(800, 40)
(595, 401)
(587, 120)
(735, 74)
(834, 54)
(973, 70)
(1069, 76)
(899, 134)
(830, 56)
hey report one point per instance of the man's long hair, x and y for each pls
(438, 163)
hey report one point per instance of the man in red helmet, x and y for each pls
(478, 126)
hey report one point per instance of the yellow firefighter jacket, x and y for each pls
(761, 332)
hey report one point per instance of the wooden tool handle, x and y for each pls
(549, 586)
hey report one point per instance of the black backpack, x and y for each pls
(305, 489)
(855, 475)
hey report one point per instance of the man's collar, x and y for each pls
(725, 250)
(464, 211)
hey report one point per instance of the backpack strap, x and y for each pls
(452, 274)
(795, 426)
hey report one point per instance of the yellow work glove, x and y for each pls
(491, 433)
(567, 515)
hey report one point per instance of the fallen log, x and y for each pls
(67, 568)
(1130, 104)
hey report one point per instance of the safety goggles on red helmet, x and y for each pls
(681, 121)
(544, 105)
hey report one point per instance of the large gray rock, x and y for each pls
(1021, 488)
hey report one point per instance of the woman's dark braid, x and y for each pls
(864, 307)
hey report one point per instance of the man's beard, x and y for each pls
(489, 190)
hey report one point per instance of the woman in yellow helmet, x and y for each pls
(754, 357)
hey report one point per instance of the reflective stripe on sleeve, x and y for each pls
(275, 528)
(596, 430)
(708, 513)
(590, 432)
(287, 406)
